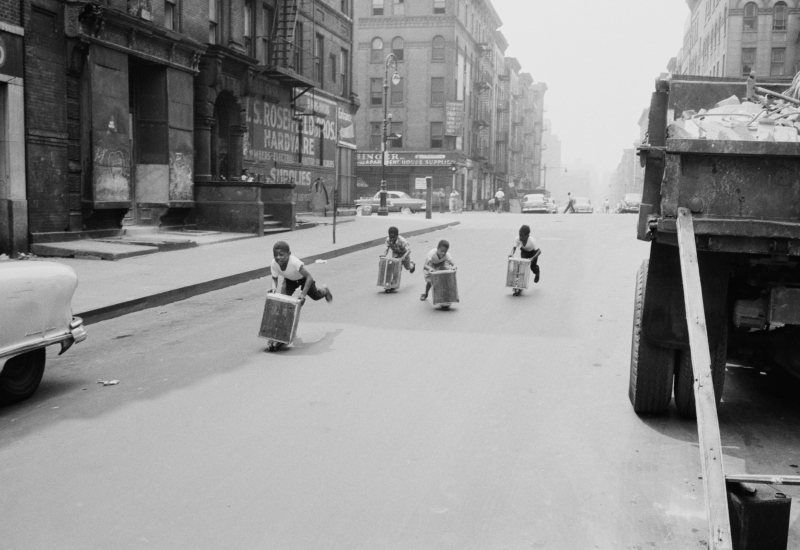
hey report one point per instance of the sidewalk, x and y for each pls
(108, 289)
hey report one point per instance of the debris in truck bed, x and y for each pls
(735, 120)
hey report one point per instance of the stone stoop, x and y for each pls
(271, 226)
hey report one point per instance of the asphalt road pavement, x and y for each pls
(389, 424)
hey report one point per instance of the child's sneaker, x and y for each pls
(328, 295)
(423, 297)
(536, 277)
(413, 267)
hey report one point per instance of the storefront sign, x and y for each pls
(454, 118)
(407, 159)
(421, 183)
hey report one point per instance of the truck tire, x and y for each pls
(684, 378)
(652, 367)
(21, 376)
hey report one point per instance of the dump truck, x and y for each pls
(723, 275)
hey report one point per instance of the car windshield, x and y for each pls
(633, 197)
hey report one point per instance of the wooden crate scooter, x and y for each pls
(279, 322)
(445, 288)
(518, 274)
(389, 271)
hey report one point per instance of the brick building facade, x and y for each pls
(13, 192)
(147, 112)
(447, 106)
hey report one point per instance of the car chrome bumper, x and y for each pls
(76, 334)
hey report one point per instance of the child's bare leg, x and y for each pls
(427, 289)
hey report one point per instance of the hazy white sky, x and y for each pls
(599, 61)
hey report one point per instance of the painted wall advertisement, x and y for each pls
(274, 139)
(454, 118)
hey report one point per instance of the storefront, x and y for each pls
(13, 197)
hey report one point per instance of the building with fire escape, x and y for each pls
(227, 114)
(439, 116)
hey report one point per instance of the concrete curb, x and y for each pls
(175, 295)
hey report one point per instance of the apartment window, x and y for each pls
(248, 27)
(438, 48)
(345, 9)
(375, 131)
(334, 72)
(213, 18)
(398, 7)
(319, 57)
(778, 64)
(345, 68)
(779, 17)
(297, 56)
(376, 92)
(750, 17)
(171, 15)
(267, 20)
(397, 92)
(397, 130)
(377, 51)
(377, 7)
(438, 6)
(437, 91)
(437, 135)
(748, 60)
(397, 48)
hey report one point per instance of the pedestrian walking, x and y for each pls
(399, 248)
(438, 259)
(498, 199)
(570, 204)
(527, 250)
(454, 196)
(295, 275)
(606, 206)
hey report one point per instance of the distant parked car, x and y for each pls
(532, 204)
(583, 205)
(552, 206)
(630, 202)
(37, 312)
(396, 201)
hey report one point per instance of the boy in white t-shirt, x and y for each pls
(295, 275)
(438, 260)
(527, 250)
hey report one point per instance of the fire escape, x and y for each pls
(482, 119)
(503, 122)
(291, 59)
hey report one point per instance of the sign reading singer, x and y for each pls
(407, 159)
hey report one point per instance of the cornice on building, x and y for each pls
(501, 41)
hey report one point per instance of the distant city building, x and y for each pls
(461, 112)
(734, 37)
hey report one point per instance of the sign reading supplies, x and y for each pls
(454, 118)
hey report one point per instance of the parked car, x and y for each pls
(552, 205)
(396, 201)
(534, 203)
(630, 202)
(583, 205)
(37, 312)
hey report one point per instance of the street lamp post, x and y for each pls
(391, 61)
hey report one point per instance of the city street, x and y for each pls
(503, 423)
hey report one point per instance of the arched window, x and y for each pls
(750, 17)
(438, 47)
(779, 14)
(377, 50)
(397, 48)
